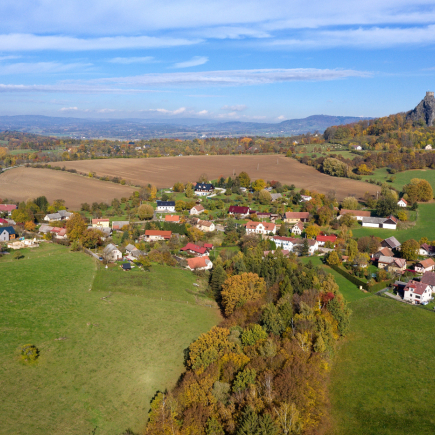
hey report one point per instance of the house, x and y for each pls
(100, 223)
(389, 223)
(423, 266)
(199, 263)
(59, 233)
(129, 249)
(313, 246)
(111, 253)
(359, 214)
(402, 202)
(356, 147)
(284, 252)
(198, 209)
(191, 248)
(119, 225)
(7, 208)
(44, 228)
(305, 198)
(428, 147)
(391, 243)
(3, 221)
(392, 264)
(165, 206)
(429, 279)
(204, 189)
(263, 215)
(426, 250)
(291, 217)
(60, 215)
(321, 240)
(260, 227)
(172, 218)
(417, 292)
(285, 243)
(275, 196)
(386, 252)
(153, 235)
(7, 233)
(106, 231)
(297, 228)
(205, 226)
(238, 210)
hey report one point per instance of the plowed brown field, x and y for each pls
(165, 171)
(21, 184)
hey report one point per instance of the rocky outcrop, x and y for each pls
(424, 112)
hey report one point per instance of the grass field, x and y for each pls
(382, 378)
(402, 178)
(117, 353)
(423, 228)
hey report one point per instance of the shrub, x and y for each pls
(29, 352)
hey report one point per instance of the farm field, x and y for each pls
(402, 178)
(22, 183)
(165, 171)
(382, 378)
(423, 228)
(116, 353)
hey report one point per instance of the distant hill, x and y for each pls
(184, 128)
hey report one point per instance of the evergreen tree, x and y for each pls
(249, 423)
(282, 230)
(218, 277)
(271, 319)
(305, 248)
(266, 426)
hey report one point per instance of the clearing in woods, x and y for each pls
(102, 355)
(165, 171)
(21, 184)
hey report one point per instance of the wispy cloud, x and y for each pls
(41, 67)
(237, 77)
(69, 109)
(195, 61)
(70, 89)
(131, 60)
(28, 42)
(3, 58)
(235, 108)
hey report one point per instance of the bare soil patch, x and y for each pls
(165, 171)
(22, 184)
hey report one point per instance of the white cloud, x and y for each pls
(68, 109)
(237, 77)
(41, 67)
(106, 110)
(69, 89)
(2, 58)
(130, 60)
(202, 112)
(235, 108)
(29, 42)
(195, 61)
(281, 118)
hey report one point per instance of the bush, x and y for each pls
(29, 352)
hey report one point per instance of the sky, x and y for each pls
(244, 60)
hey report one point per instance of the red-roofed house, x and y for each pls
(198, 209)
(426, 250)
(3, 222)
(321, 240)
(7, 208)
(60, 233)
(98, 223)
(172, 218)
(242, 211)
(298, 228)
(199, 263)
(260, 227)
(417, 292)
(423, 266)
(359, 214)
(402, 203)
(153, 235)
(291, 217)
(191, 248)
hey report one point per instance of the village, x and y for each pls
(193, 225)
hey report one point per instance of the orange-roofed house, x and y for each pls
(199, 263)
(260, 227)
(154, 235)
(101, 223)
(423, 266)
(321, 240)
(172, 218)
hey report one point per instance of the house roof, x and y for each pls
(204, 223)
(198, 262)
(164, 234)
(392, 242)
(416, 287)
(54, 216)
(296, 215)
(208, 245)
(402, 200)
(172, 218)
(268, 226)
(96, 221)
(194, 248)
(199, 207)
(165, 203)
(262, 214)
(285, 239)
(426, 263)
(363, 213)
(331, 238)
(387, 252)
(7, 207)
(275, 196)
(59, 231)
(299, 224)
(130, 247)
(204, 186)
(117, 225)
(44, 228)
(428, 278)
(3, 221)
(373, 220)
(399, 262)
(236, 209)
(311, 242)
(10, 230)
(427, 248)
(109, 248)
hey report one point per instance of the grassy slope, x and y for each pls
(382, 378)
(423, 228)
(105, 373)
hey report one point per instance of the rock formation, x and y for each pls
(425, 111)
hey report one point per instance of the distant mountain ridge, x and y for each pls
(183, 128)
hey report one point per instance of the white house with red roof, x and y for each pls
(191, 248)
(198, 209)
(402, 202)
(291, 217)
(321, 240)
(297, 228)
(423, 266)
(260, 227)
(154, 235)
(417, 292)
(7, 208)
(239, 210)
(199, 263)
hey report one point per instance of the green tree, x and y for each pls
(312, 231)
(333, 258)
(258, 185)
(189, 191)
(305, 248)
(350, 203)
(271, 319)
(253, 335)
(244, 179)
(409, 249)
(264, 197)
(75, 226)
(283, 230)
(352, 249)
(218, 277)
(145, 211)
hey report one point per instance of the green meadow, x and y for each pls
(108, 341)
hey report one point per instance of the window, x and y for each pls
(417, 297)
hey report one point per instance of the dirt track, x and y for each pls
(165, 171)
(22, 184)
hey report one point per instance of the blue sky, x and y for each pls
(229, 60)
